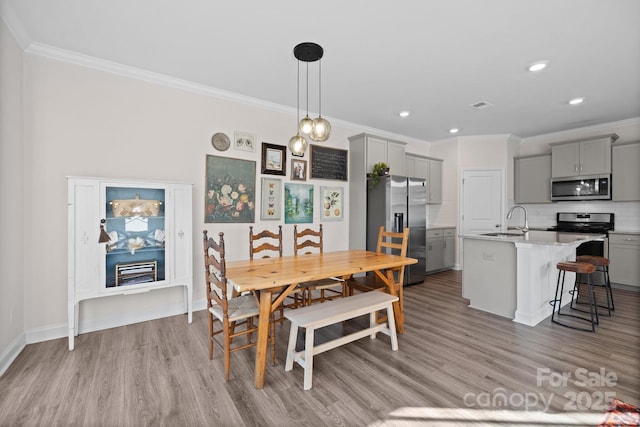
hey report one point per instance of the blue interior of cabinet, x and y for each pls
(120, 252)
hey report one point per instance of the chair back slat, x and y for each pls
(256, 246)
(388, 242)
(215, 271)
(314, 239)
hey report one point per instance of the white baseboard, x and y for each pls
(60, 330)
(12, 351)
(85, 326)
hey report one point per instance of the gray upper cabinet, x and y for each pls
(364, 151)
(427, 168)
(587, 156)
(532, 176)
(626, 172)
(434, 194)
(381, 150)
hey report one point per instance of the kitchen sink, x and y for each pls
(503, 234)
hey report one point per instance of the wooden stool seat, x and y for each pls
(598, 261)
(576, 267)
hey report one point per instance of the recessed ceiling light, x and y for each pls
(454, 130)
(404, 113)
(538, 66)
(576, 101)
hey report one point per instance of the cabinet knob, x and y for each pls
(181, 234)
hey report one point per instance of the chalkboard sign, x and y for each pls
(328, 163)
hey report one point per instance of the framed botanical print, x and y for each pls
(298, 203)
(230, 190)
(298, 170)
(271, 200)
(274, 159)
(331, 203)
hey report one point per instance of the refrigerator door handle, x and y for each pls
(398, 222)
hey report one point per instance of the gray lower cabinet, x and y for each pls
(440, 249)
(624, 253)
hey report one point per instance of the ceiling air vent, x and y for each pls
(481, 105)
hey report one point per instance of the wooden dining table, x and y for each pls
(280, 276)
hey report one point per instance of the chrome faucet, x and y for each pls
(526, 221)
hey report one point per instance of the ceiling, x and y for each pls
(434, 58)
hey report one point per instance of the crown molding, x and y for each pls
(14, 24)
(82, 60)
(51, 52)
(605, 127)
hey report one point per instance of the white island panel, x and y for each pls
(518, 287)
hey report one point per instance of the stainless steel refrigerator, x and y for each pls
(397, 202)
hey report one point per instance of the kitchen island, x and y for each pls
(514, 274)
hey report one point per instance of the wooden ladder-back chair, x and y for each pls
(263, 241)
(238, 314)
(271, 244)
(388, 242)
(329, 288)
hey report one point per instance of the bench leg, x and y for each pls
(291, 348)
(308, 358)
(392, 328)
(373, 321)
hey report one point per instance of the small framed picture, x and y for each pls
(298, 170)
(331, 203)
(274, 159)
(271, 201)
(244, 141)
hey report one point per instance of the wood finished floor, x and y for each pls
(453, 367)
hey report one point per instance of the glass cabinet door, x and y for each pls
(135, 224)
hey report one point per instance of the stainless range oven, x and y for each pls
(597, 223)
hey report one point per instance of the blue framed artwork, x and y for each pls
(298, 203)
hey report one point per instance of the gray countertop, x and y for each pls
(538, 237)
(622, 231)
(439, 227)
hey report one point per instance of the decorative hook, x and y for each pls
(104, 237)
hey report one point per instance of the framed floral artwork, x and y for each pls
(298, 170)
(298, 203)
(331, 203)
(230, 190)
(271, 200)
(274, 159)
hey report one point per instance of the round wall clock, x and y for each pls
(220, 141)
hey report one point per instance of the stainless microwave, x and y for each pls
(592, 187)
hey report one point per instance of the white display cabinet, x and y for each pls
(149, 243)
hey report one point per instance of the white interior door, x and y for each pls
(481, 201)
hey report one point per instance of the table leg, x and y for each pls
(398, 312)
(263, 336)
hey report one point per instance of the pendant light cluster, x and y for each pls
(317, 129)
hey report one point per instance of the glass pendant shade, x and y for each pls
(306, 125)
(321, 130)
(298, 145)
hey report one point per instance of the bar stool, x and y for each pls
(578, 268)
(602, 265)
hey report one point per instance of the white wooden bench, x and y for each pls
(328, 313)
